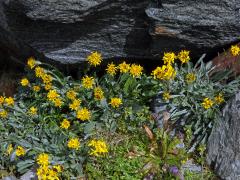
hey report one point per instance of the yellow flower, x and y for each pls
(98, 93)
(115, 102)
(52, 94)
(9, 101)
(42, 172)
(65, 124)
(31, 62)
(20, 151)
(190, 77)
(36, 88)
(39, 72)
(43, 159)
(33, 111)
(169, 58)
(83, 114)
(235, 50)
(88, 82)
(183, 56)
(219, 99)
(57, 102)
(98, 147)
(24, 82)
(94, 59)
(3, 113)
(1, 100)
(47, 87)
(75, 104)
(47, 79)
(111, 69)
(52, 175)
(166, 96)
(9, 149)
(158, 73)
(58, 168)
(136, 70)
(71, 94)
(74, 143)
(207, 103)
(124, 67)
(166, 72)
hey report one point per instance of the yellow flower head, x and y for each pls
(136, 70)
(43, 159)
(115, 102)
(31, 62)
(36, 88)
(74, 143)
(166, 72)
(71, 94)
(9, 101)
(166, 96)
(20, 151)
(58, 168)
(9, 149)
(24, 82)
(98, 147)
(183, 56)
(124, 67)
(219, 99)
(98, 93)
(207, 103)
(3, 113)
(52, 94)
(169, 57)
(1, 100)
(235, 50)
(190, 77)
(33, 111)
(39, 72)
(42, 172)
(158, 73)
(57, 102)
(94, 59)
(48, 86)
(65, 124)
(88, 82)
(111, 69)
(83, 114)
(47, 79)
(75, 104)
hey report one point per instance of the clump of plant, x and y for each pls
(60, 127)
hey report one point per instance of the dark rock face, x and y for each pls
(69, 30)
(198, 25)
(224, 142)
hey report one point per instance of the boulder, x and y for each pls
(223, 150)
(201, 26)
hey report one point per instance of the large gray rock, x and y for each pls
(224, 142)
(197, 25)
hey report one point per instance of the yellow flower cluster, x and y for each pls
(24, 82)
(166, 72)
(3, 113)
(115, 102)
(65, 124)
(9, 101)
(124, 67)
(94, 59)
(169, 58)
(71, 94)
(98, 147)
(111, 69)
(235, 50)
(88, 82)
(74, 143)
(98, 93)
(20, 151)
(5, 101)
(36, 88)
(33, 111)
(75, 104)
(45, 171)
(166, 96)
(53, 96)
(183, 56)
(31, 62)
(83, 114)
(136, 70)
(207, 103)
(190, 77)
